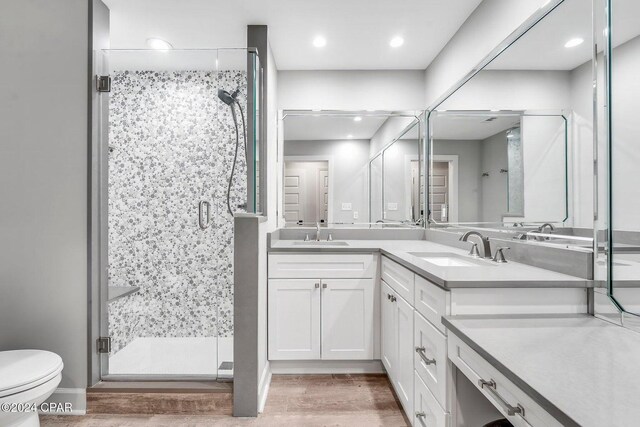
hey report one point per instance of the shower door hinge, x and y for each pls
(104, 345)
(103, 83)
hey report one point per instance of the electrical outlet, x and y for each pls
(346, 206)
(355, 214)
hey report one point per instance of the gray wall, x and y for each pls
(351, 90)
(486, 27)
(625, 104)
(43, 171)
(469, 164)
(494, 186)
(350, 159)
(397, 178)
(390, 130)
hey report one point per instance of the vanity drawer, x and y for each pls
(476, 368)
(430, 360)
(399, 278)
(427, 410)
(432, 302)
(322, 266)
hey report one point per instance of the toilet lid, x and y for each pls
(21, 368)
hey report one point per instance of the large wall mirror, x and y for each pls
(511, 146)
(397, 198)
(491, 168)
(622, 58)
(351, 169)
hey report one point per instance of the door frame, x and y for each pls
(453, 160)
(317, 158)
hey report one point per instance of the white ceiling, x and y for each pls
(322, 127)
(542, 47)
(357, 31)
(467, 128)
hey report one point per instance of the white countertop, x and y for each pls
(626, 270)
(486, 274)
(584, 367)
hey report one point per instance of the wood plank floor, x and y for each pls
(294, 400)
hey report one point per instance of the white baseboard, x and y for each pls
(263, 387)
(77, 397)
(327, 367)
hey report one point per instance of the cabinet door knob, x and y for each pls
(324, 286)
(317, 285)
(393, 299)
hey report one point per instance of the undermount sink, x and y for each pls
(445, 259)
(321, 243)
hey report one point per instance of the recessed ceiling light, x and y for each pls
(319, 41)
(159, 44)
(349, 136)
(357, 119)
(574, 42)
(397, 41)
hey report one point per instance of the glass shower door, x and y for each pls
(172, 145)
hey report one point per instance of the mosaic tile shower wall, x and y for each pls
(172, 143)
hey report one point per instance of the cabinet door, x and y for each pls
(427, 411)
(388, 339)
(294, 319)
(347, 319)
(404, 369)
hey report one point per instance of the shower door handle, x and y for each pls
(204, 214)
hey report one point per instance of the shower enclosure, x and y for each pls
(172, 133)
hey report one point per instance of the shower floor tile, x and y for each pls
(171, 356)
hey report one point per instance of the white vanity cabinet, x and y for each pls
(513, 403)
(413, 350)
(397, 343)
(321, 306)
(347, 319)
(429, 397)
(294, 319)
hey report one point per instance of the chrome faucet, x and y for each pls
(542, 228)
(546, 225)
(486, 253)
(317, 231)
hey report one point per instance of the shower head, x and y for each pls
(226, 97)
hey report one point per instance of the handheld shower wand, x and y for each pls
(231, 99)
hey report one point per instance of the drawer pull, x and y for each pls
(421, 416)
(491, 386)
(423, 356)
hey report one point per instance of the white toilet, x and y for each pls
(27, 378)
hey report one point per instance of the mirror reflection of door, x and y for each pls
(294, 182)
(417, 189)
(439, 194)
(306, 192)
